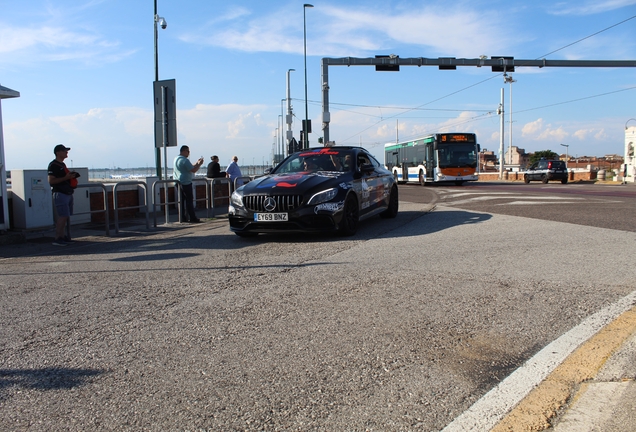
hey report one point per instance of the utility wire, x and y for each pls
(586, 37)
(575, 100)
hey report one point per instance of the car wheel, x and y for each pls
(564, 181)
(526, 179)
(245, 234)
(350, 217)
(420, 177)
(544, 178)
(394, 203)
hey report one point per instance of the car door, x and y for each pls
(532, 169)
(371, 192)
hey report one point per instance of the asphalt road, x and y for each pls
(600, 205)
(401, 327)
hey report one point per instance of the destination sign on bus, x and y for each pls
(458, 138)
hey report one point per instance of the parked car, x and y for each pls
(318, 189)
(546, 170)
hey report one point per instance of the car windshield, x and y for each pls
(325, 159)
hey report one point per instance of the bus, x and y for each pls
(437, 158)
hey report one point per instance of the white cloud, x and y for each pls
(37, 43)
(353, 31)
(589, 7)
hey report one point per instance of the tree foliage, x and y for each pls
(543, 154)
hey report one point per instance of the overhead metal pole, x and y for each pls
(326, 116)
(499, 64)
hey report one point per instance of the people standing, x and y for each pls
(233, 172)
(183, 172)
(63, 183)
(214, 168)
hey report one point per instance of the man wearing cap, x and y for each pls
(62, 182)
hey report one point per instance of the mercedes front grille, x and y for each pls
(284, 203)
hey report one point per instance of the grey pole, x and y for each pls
(157, 19)
(501, 136)
(289, 112)
(306, 126)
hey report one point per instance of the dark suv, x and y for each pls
(546, 170)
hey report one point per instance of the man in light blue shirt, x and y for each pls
(233, 172)
(184, 171)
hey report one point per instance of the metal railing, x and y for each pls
(207, 193)
(166, 203)
(215, 198)
(116, 208)
(105, 210)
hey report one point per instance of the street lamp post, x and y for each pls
(306, 125)
(162, 22)
(509, 80)
(566, 153)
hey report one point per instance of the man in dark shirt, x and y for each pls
(62, 182)
(214, 169)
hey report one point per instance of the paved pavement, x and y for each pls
(593, 389)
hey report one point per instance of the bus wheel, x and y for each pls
(421, 178)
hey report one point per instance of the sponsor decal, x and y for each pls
(330, 207)
(322, 151)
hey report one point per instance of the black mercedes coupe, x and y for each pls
(318, 189)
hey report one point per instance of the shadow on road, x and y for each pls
(46, 378)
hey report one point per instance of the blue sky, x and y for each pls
(85, 70)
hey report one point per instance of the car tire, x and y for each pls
(526, 179)
(350, 216)
(564, 181)
(394, 204)
(544, 179)
(420, 178)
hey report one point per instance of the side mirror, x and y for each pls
(366, 168)
(267, 171)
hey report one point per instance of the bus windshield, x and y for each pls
(457, 155)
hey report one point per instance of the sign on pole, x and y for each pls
(165, 113)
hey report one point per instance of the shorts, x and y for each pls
(63, 204)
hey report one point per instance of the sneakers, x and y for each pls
(59, 242)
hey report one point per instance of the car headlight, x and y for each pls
(323, 196)
(237, 198)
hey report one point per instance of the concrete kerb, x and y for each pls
(531, 396)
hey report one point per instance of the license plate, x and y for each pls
(270, 217)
